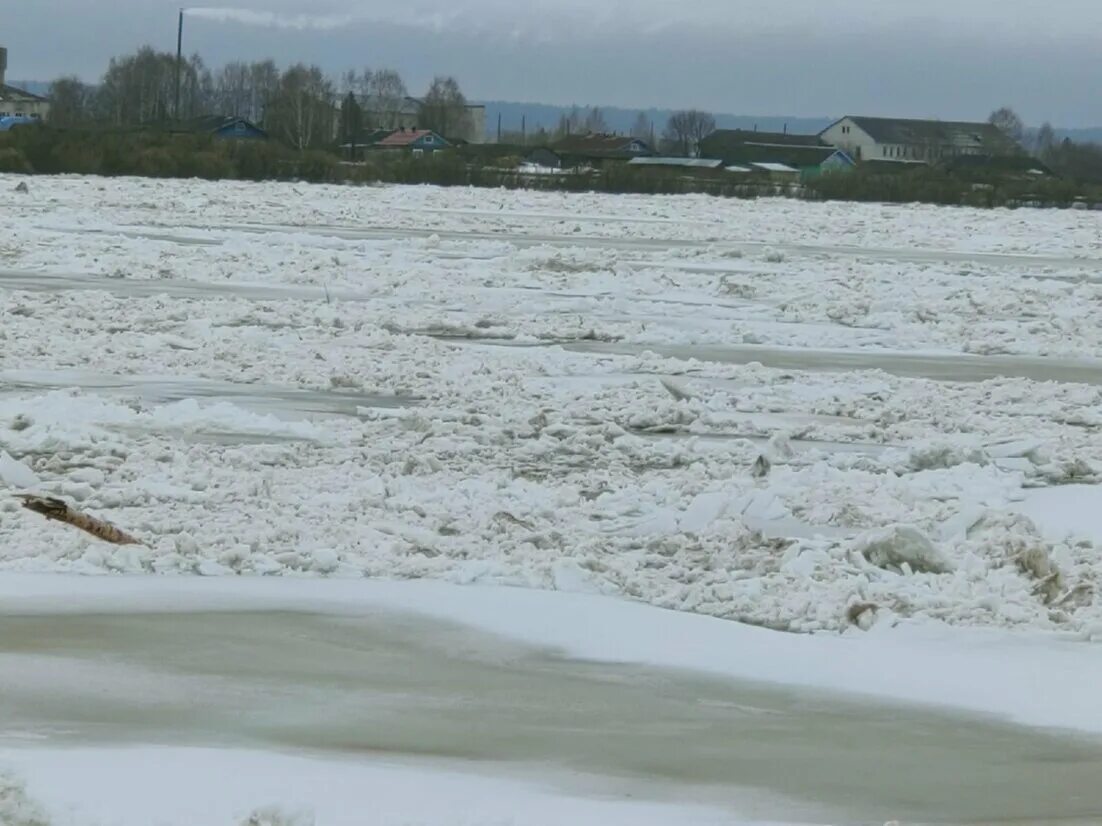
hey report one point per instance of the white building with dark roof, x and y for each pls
(916, 141)
(15, 103)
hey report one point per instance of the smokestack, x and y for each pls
(179, 63)
(3, 64)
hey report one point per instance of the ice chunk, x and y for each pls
(705, 509)
(325, 560)
(900, 545)
(568, 575)
(16, 474)
(278, 816)
(939, 453)
(676, 389)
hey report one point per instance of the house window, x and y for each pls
(418, 153)
(428, 139)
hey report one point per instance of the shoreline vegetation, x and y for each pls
(152, 153)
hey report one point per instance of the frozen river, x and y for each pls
(873, 428)
(388, 686)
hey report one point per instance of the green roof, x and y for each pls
(799, 157)
(723, 139)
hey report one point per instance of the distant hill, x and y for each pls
(537, 115)
(1089, 135)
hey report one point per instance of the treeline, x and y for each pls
(156, 153)
(307, 109)
(1069, 160)
(300, 105)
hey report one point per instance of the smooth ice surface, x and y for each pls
(1069, 511)
(374, 681)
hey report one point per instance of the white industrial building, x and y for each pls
(16, 103)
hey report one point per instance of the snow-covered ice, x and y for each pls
(227, 787)
(284, 379)
(876, 420)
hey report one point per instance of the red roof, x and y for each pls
(405, 138)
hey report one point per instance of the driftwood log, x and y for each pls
(57, 511)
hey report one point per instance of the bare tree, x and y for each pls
(358, 83)
(70, 102)
(444, 109)
(595, 121)
(570, 123)
(263, 86)
(1006, 120)
(302, 112)
(233, 90)
(138, 88)
(642, 127)
(245, 89)
(686, 129)
(1045, 142)
(350, 82)
(197, 89)
(387, 94)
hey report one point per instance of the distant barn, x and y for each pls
(591, 149)
(776, 153)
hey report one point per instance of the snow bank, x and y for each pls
(242, 788)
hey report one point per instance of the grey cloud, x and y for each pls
(805, 57)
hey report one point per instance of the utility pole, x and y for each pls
(179, 62)
(524, 130)
(499, 127)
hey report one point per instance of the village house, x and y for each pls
(916, 141)
(17, 103)
(408, 114)
(224, 127)
(775, 153)
(591, 149)
(418, 142)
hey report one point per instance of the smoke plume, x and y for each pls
(271, 20)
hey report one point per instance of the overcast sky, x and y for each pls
(936, 58)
